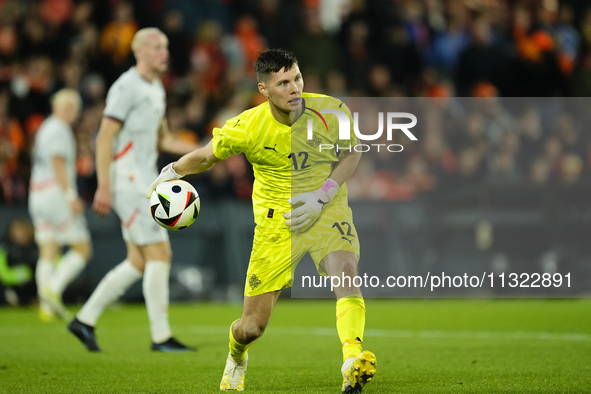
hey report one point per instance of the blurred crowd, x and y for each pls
(462, 142)
(346, 48)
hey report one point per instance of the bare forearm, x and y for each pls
(345, 167)
(197, 161)
(104, 157)
(104, 150)
(59, 166)
(193, 163)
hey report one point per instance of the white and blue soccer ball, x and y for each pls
(175, 204)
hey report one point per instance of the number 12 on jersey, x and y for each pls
(302, 157)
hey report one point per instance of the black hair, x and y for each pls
(272, 61)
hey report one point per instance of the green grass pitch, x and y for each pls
(422, 346)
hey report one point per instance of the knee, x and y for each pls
(340, 263)
(137, 261)
(85, 250)
(158, 252)
(252, 331)
(166, 254)
(349, 268)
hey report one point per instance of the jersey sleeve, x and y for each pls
(231, 138)
(119, 101)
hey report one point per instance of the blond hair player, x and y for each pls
(132, 129)
(55, 207)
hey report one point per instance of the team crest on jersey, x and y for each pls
(253, 281)
(314, 142)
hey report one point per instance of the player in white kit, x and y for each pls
(55, 207)
(132, 130)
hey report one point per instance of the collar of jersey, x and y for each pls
(142, 77)
(278, 123)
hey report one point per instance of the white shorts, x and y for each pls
(128, 197)
(137, 224)
(54, 220)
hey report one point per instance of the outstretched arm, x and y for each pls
(197, 161)
(192, 163)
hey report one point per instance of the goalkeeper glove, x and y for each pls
(167, 174)
(309, 205)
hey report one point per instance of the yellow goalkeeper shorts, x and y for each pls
(276, 252)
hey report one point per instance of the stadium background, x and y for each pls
(529, 183)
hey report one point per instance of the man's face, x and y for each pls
(284, 89)
(155, 52)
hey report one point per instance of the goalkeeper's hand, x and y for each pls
(167, 174)
(309, 205)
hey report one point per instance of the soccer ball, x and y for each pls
(175, 204)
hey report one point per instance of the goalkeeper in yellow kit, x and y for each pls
(300, 206)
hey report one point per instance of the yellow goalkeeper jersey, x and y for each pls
(285, 160)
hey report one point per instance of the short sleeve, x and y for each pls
(119, 101)
(231, 139)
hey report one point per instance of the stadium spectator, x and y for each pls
(567, 39)
(12, 145)
(18, 257)
(317, 51)
(208, 59)
(401, 57)
(172, 26)
(483, 60)
(115, 41)
(448, 44)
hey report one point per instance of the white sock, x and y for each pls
(43, 273)
(111, 287)
(69, 267)
(155, 286)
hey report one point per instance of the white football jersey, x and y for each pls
(140, 105)
(55, 138)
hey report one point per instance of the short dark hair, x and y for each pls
(272, 61)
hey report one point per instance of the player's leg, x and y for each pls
(359, 366)
(48, 252)
(50, 214)
(69, 266)
(243, 332)
(59, 225)
(269, 271)
(156, 293)
(252, 324)
(110, 288)
(350, 303)
(113, 285)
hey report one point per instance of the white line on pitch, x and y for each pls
(385, 333)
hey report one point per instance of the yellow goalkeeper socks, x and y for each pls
(351, 324)
(237, 350)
